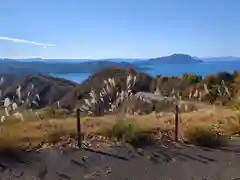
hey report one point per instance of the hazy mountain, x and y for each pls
(16, 69)
(175, 58)
(36, 67)
(78, 60)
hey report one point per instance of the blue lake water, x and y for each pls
(171, 69)
(75, 77)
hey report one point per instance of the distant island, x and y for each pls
(177, 59)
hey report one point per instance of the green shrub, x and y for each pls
(128, 131)
(192, 78)
(124, 129)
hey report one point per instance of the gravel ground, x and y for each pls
(180, 162)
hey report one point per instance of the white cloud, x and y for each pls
(15, 40)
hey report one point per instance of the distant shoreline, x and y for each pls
(203, 69)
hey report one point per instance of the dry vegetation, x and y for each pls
(206, 126)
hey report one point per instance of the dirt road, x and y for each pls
(178, 162)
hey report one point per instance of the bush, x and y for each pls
(123, 129)
(205, 136)
(128, 131)
(192, 78)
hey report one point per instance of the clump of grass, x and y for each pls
(128, 131)
(122, 129)
(234, 105)
(205, 136)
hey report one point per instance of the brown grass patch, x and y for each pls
(220, 119)
(15, 134)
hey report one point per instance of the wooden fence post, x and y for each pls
(78, 128)
(176, 122)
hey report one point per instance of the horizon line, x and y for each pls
(106, 58)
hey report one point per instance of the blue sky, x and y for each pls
(118, 28)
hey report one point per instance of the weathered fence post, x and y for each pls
(78, 128)
(176, 122)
